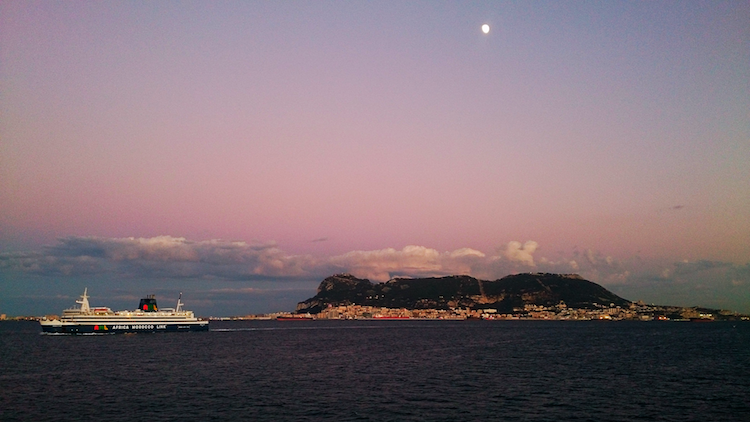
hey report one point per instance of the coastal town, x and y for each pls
(637, 311)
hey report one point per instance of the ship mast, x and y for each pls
(179, 303)
(84, 301)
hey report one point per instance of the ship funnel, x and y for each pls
(148, 304)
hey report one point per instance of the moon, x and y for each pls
(486, 28)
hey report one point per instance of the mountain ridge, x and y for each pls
(461, 291)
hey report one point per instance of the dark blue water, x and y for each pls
(382, 371)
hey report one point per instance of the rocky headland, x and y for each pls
(504, 295)
(518, 296)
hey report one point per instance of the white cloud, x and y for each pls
(464, 252)
(514, 251)
(590, 257)
(412, 260)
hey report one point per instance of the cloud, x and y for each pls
(420, 261)
(514, 251)
(693, 267)
(466, 252)
(161, 256)
(40, 263)
(740, 275)
(590, 257)
(713, 284)
(176, 257)
(414, 261)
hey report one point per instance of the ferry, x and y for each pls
(102, 320)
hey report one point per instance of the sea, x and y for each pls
(402, 370)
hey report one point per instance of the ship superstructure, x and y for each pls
(86, 319)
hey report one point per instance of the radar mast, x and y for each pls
(179, 303)
(84, 301)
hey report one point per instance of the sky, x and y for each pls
(241, 152)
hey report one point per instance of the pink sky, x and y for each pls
(336, 127)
